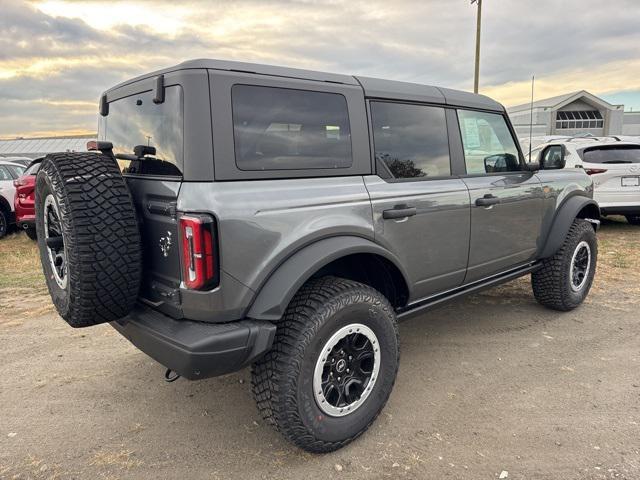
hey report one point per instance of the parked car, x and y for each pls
(8, 173)
(286, 219)
(612, 162)
(24, 161)
(25, 197)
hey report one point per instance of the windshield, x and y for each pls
(612, 154)
(138, 121)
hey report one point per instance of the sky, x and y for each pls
(57, 56)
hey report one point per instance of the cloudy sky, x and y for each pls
(56, 56)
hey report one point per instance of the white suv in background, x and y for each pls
(613, 164)
(8, 173)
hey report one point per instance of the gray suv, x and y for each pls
(233, 214)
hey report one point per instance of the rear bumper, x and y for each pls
(196, 350)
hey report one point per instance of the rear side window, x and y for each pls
(612, 154)
(288, 129)
(488, 144)
(135, 121)
(410, 140)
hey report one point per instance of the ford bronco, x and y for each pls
(234, 214)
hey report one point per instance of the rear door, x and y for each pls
(139, 115)
(420, 208)
(506, 201)
(615, 170)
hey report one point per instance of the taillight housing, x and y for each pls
(592, 171)
(199, 252)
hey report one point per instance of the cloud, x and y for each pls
(57, 51)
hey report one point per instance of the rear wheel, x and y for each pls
(565, 279)
(88, 237)
(633, 219)
(332, 366)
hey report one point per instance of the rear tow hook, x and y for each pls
(170, 376)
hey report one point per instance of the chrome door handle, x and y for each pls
(487, 200)
(399, 211)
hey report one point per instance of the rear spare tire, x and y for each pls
(88, 237)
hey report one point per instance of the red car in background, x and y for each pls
(25, 198)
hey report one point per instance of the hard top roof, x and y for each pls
(373, 87)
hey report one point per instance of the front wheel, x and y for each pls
(332, 366)
(565, 279)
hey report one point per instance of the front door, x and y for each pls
(506, 200)
(420, 211)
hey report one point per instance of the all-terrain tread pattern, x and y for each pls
(102, 238)
(273, 378)
(551, 283)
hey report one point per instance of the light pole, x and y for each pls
(478, 23)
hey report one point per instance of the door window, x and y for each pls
(287, 129)
(410, 141)
(488, 144)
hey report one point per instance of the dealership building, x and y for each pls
(572, 114)
(39, 147)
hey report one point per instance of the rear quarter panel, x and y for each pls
(262, 222)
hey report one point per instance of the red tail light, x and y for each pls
(199, 261)
(592, 171)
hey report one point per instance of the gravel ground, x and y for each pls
(493, 386)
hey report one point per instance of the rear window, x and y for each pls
(288, 129)
(135, 121)
(612, 154)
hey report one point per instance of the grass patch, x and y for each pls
(20, 263)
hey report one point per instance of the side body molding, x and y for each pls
(565, 216)
(282, 285)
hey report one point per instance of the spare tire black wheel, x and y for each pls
(88, 237)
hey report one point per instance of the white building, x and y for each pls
(571, 114)
(39, 147)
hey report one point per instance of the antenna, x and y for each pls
(533, 79)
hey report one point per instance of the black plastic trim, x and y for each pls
(196, 350)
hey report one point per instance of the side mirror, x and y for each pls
(532, 166)
(553, 157)
(504, 162)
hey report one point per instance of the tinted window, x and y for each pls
(136, 120)
(286, 129)
(617, 154)
(410, 140)
(488, 144)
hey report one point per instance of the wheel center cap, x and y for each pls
(341, 365)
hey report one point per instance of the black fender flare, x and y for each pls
(276, 293)
(564, 217)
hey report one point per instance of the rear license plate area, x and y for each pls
(631, 181)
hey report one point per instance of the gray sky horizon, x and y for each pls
(57, 56)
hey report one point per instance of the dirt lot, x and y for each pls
(488, 385)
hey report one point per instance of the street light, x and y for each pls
(478, 23)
